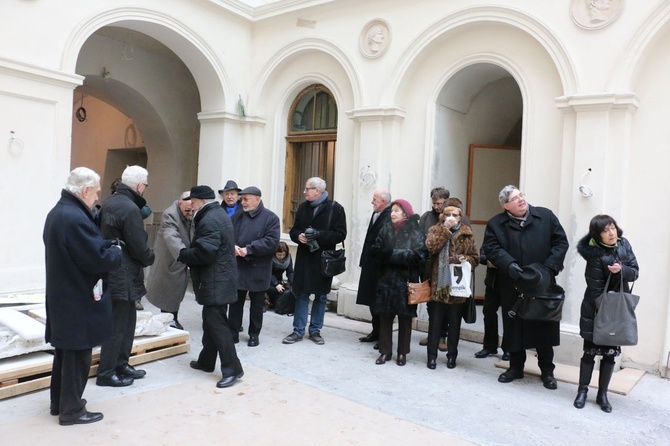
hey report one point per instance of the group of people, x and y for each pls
(95, 260)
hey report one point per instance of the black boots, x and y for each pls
(585, 372)
(606, 370)
(432, 362)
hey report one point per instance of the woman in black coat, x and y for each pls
(401, 249)
(281, 263)
(607, 255)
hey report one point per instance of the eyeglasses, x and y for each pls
(310, 188)
(517, 198)
(145, 184)
(452, 215)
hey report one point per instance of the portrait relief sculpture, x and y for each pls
(594, 14)
(374, 39)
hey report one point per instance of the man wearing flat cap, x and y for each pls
(230, 198)
(256, 241)
(520, 236)
(211, 258)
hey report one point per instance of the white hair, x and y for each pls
(318, 183)
(134, 175)
(80, 178)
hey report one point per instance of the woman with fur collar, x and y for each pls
(607, 254)
(449, 241)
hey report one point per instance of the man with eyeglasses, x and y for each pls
(168, 278)
(519, 236)
(121, 217)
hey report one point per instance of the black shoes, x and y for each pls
(88, 417)
(113, 381)
(432, 362)
(196, 365)
(505, 356)
(402, 359)
(291, 339)
(549, 381)
(130, 372)
(510, 375)
(580, 401)
(451, 362)
(483, 353)
(601, 400)
(316, 338)
(382, 359)
(372, 337)
(376, 346)
(228, 381)
(253, 341)
(175, 324)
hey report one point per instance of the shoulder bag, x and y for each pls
(542, 306)
(418, 293)
(615, 323)
(333, 261)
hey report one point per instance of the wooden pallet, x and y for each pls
(27, 373)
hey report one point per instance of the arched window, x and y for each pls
(310, 146)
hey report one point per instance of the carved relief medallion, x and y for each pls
(374, 39)
(594, 14)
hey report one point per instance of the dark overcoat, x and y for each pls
(403, 256)
(540, 240)
(258, 231)
(211, 257)
(597, 259)
(370, 264)
(307, 277)
(77, 256)
(120, 218)
(168, 279)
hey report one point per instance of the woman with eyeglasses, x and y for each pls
(607, 254)
(449, 241)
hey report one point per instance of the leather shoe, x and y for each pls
(114, 381)
(253, 341)
(549, 381)
(510, 375)
(451, 363)
(382, 359)
(130, 371)
(483, 353)
(372, 337)
(402, 359)
(196, 365)
(88, 417)
(432, 363)
(376, 346)
(228, 381)
(55, 412)
(505, 356)
(442, 345)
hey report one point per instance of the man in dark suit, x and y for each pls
(367, 285)
(79, 314)
(211, 259)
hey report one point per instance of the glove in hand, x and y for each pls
(514, 271)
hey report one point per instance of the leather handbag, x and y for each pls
(333, 262)
(615, 322)
(546, 305)
(469, 311)
(418, 293)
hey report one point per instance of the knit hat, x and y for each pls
(406, 207)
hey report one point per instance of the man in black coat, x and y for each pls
(211, 259)
(79, 314)
(367, 285)
(520, 236)
(120, 217)
(256, 241)
(319, 224)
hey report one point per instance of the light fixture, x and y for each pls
(81, 111)
(15, 145)
(583, 188)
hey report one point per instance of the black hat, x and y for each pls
(230, 185)
(251, 190)
(534, 279)
(202, 192)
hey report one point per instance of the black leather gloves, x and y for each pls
(514, 271)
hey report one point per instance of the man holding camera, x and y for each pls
(319, 224)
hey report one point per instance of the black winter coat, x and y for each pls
(120, 218)
(278, 270)
(597, 259)
(307, 276)
(370, 264)
(403, 256)
(211, 257)
(77, 256)
(258, 231)
(540, 240)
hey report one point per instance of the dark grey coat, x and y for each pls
(258, 231)
(211, 257)
(596, 272)
(541, 240)
(370, 264)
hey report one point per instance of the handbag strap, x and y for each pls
(330, 218)
(607, 282)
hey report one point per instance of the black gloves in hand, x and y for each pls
(514, 271)
(311, 234)
(118, 242)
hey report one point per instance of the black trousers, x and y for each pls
(375, 325)
(453, 314)
(115, 351)
(236, 311)
(545, 360)
(217, 338)
(386, 334)
(443, 323)
(490, 309)
(69, 375)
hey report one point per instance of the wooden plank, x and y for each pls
(25, 365)
(27, 327)
(25, 387)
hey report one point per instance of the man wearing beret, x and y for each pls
(230, 198)
(518, 237)
(256, 241)
(211, 259)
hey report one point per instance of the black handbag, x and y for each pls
(285, 303)
(333, 262)
(615, 322)
(542, 306)
(469, 311)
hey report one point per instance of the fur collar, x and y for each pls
(588, 251)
